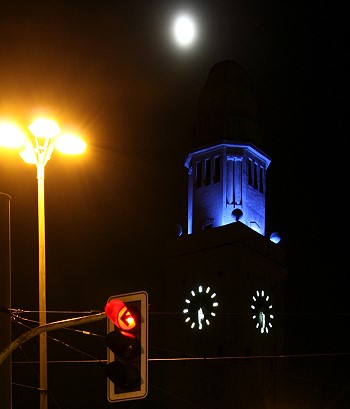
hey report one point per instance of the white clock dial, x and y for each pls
(200, 307)
(262, 311)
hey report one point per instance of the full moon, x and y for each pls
(184, 30)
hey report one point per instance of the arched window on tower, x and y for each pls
(198, 177)
(255, 181)
(207, 179)
(217, 169)
(261, 182)
(250, 172)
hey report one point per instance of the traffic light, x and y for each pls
(127, 346)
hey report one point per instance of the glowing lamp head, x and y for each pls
(11, 136)
(44, 128)
(70, 144)
(28, 155)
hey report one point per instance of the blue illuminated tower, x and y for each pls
(227, 183)
(227, 171)
(224, 281)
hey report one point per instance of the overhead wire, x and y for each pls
(23, 320)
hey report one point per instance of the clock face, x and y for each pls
(262, 311)
(200, 307)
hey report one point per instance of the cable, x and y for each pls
(72, 348)
(20, 311)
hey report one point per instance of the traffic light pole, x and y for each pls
(6, 352)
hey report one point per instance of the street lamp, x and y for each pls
(39, 144)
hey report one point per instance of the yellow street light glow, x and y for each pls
(28, 156)
(11, 136)
(36, 150)
(44, 128)
(70, 144)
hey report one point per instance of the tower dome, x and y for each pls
(227, 107)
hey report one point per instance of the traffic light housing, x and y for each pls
(127, 346)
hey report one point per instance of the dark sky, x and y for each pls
(111, 70)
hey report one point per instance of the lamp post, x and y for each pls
(45, 135)
(5, 298)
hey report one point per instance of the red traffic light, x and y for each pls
(127, 346)
(123, 316)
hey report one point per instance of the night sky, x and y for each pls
(112, 71)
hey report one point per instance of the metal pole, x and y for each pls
(5, 300)
(42, 286)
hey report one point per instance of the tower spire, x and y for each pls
(226, 168)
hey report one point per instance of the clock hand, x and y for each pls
(263, 322)
(200, 317)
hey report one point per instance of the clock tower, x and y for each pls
(224, 279)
